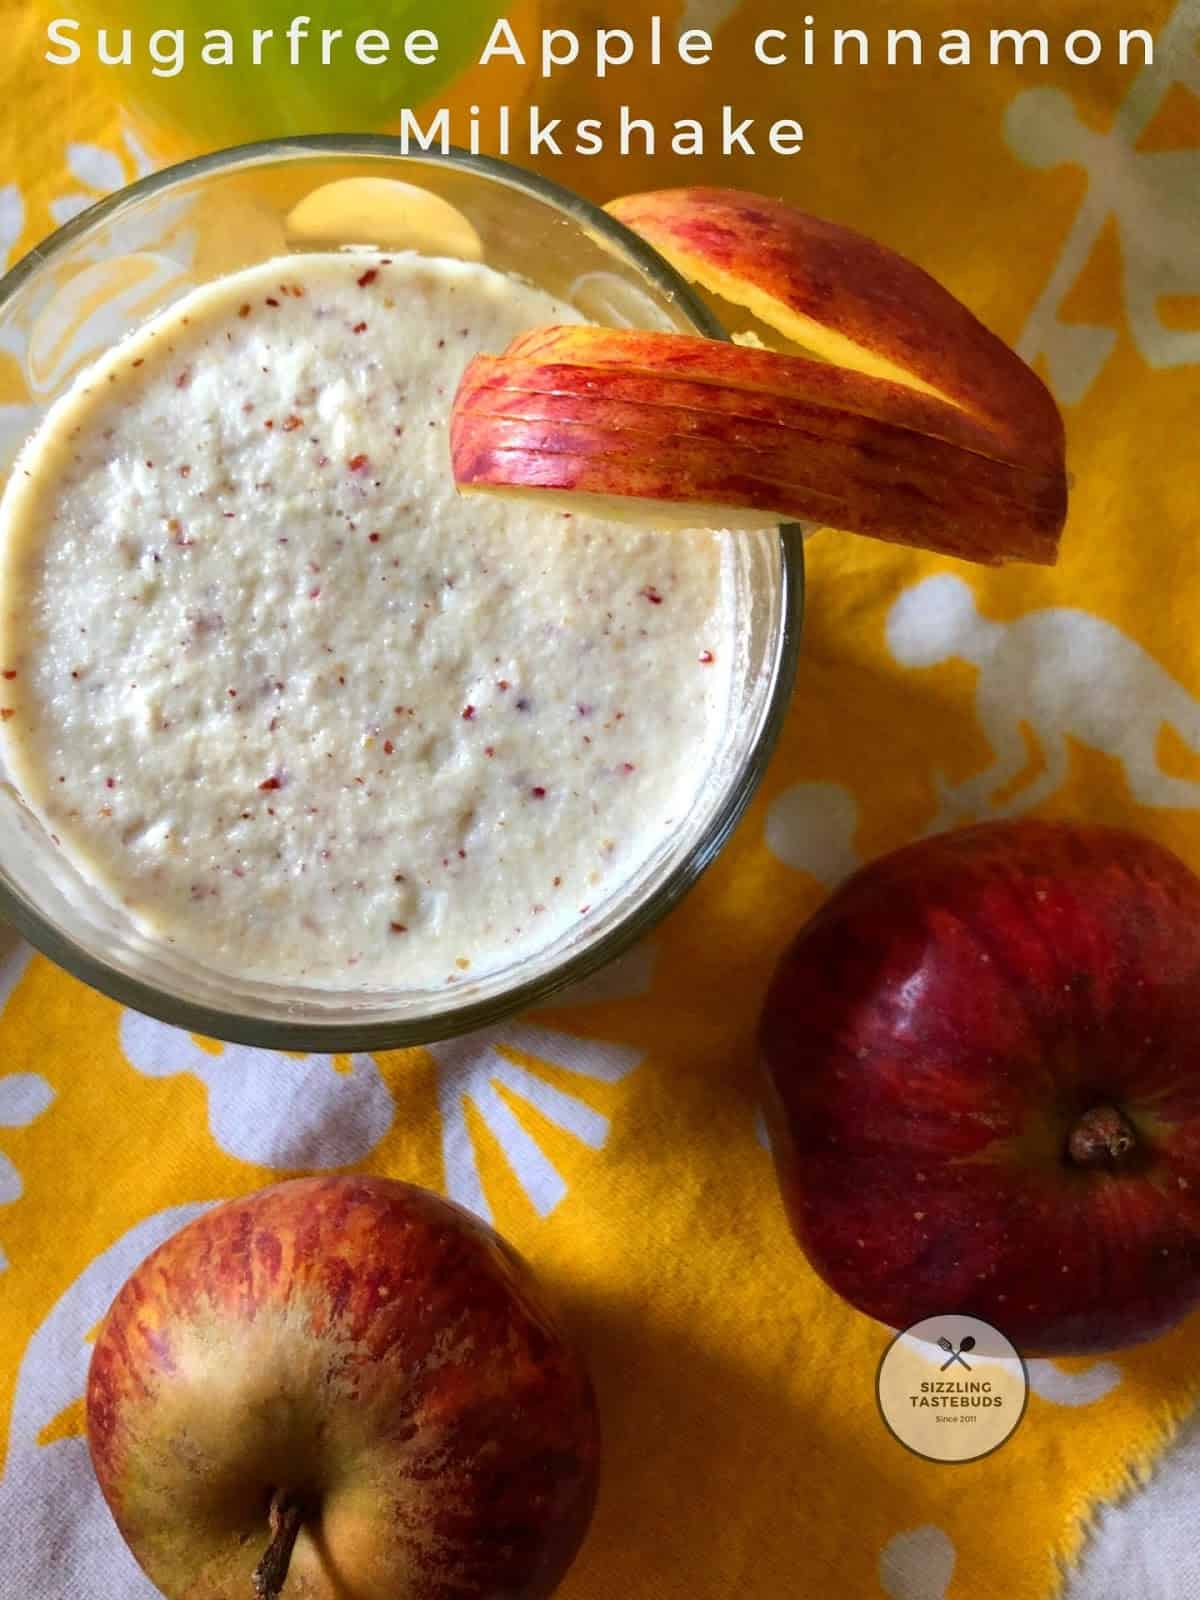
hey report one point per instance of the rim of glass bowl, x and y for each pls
(241, 1027)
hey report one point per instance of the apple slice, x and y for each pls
(636, 432)
(707, 375)
(851, 301)
(798, 442)
(618, 451)
(916, 425)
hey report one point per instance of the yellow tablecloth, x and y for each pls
(614, 1138)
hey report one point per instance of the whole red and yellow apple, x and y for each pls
(983, 1060)
(341, 1386)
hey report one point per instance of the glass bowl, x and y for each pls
(127, 258)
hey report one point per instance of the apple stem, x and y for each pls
(1102, 1136)
(284, 1521)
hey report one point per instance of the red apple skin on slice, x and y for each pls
(839, 293)
(375, 1352)
(650, 474)
(949, 1045)
(819, 442)
(804, 393)
(921, 473)
(731, 367)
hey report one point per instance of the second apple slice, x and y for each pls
(522, 425)
(678, 456)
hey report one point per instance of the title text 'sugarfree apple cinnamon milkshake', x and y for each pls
(292, 701)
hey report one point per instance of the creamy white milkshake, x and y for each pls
(293, 702)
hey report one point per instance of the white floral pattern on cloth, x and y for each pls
(811, 827)
(917, 1564)
(1053, 1382)
(1150, 195)
(15, 419)
(474, 1068)
(24, 1096)
(69, 1543)
(109, 279)
(322, 1111)
(1144, 1544)
(101, 172)
(472, 1071)
(315, 1111)
(1062, 672)
(1066, 674)
(12, 222)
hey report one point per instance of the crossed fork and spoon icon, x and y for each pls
(957, 1355)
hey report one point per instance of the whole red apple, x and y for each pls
(983, 1057)
(341, 1387)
